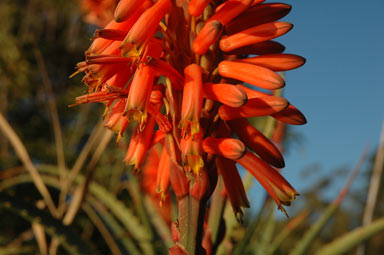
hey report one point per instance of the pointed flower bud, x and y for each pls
(253, 35)
(262, 106)
(196, 7)
(227, 147)
(126, 8)
(276, 62)
(277, 187)
(257, 15)
(208, 35)
(255, 140)
(252, 74)
(291, 115)
(233, 185)
(227, 94)
(261, 48)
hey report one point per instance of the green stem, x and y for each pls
(191, 219)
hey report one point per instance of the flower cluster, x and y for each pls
(189, 74)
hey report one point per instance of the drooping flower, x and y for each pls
(180, 72)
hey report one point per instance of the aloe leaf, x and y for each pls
(125, 216)
(69, 239)
(303, 245)
(267, 233)
(117, 208)
(287, 229)
(17, 250)
(353, 238)
(118, 232)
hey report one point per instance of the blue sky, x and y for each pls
(340, 88)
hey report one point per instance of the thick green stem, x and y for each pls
(191, 220)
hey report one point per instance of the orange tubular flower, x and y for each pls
(227, 147)
(257, 15)
(291, 115)
(256, 75)
(267, 47)
(139, 144)
(233, 185)
(126, 8)
(262, 106)
(145, 27)
(276, 62)
(160, 63)
(116, 121)
(210, 33)
(139, 94)
(227, 94)
(163, 171)
(255, 140)
(256, 34)
(196, 7)
(277, 187)
(192, 100)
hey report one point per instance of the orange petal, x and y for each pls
(196, 7)
(208, 35)
(139, 144)
(139, 94)
(275, 184)
(229, 10)
(192, 100)
(256, 141)
(291, 115)
(227, 94)
(276, 62)
(261, 48)
(163, 181)
(115, 120)
(262, 106)
(253, 74)
(99, 44)
(253, 35)
(145, 27)
(111, 34)
(126, 8)
(227, 147)
(107, 59)
(257, 15)
(233, 185)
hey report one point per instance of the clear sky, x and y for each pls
(340, 89)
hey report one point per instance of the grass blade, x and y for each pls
(302, 246)
(353, 238)
(70, 240)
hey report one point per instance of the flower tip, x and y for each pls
(239, 216)
(227, 147)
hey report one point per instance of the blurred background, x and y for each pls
(339, 89)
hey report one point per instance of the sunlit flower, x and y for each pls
(180, 72)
